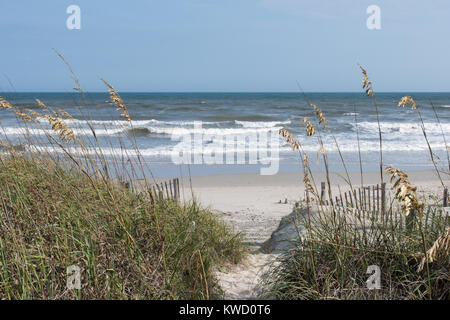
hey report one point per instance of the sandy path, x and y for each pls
(255, 212)
(252, 207)
(250, 204)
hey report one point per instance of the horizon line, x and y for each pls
(120, 91)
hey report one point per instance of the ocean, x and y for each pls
(161, 121)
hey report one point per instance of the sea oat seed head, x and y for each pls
(405, 191)
(58, 125)
(407, 100)
(367, 84)
(320, 115)
(5, 104)
(439, 249)
(117, 100)
(290, 139)
(309, 127)
(25, 117)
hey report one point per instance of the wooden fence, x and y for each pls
(165, 190)
(375, 203)
(369, 199)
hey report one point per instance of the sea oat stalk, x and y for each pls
(117, 100)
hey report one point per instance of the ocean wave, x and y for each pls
(83, 122)
(258, 117)
(403, 128)
(261, 124)
(163, 151)
(138, 132)
(135, 123)
(210, 131)
(351, 114)
(23, 131)
(243, 148)
(144, 130)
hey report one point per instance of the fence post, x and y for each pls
(378, 198)
(171, 190)
(161, 192)
(152, 200)
(322, 191)
(176, 189)
(409, 221)
(360, 199)
(174, 184)
(383, 199)
(445, 203)
(167, 190)
(373, 199)
(155, 192)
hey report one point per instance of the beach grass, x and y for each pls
(333, 259)
(65, 203)
(339, 250)
(127, 247)
(66, 206)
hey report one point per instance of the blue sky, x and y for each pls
(226, 45)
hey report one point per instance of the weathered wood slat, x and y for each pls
(373, 200)
(351, 198)
(374, 203)
(164, 190)
(171, 189)
(167, 190)
(445, 202)
(378, 198)
(322, 191)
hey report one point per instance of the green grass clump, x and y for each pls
(331, 259)
(53, 216)
(337, 245)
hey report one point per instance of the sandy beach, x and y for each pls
(254, 205)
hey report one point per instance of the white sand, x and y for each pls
(250, 204)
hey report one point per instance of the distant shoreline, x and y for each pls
(421, 178)
(225, 92)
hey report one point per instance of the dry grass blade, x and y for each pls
(42, 105)
(407, 100)
(290, 139)
(65, 114)
(306, 180)
(5, 104)
(322, 150)
(34, 113)
(320, 116)
(405, 191)
(64, 131)
(440, 249)
(367, 84)
(117, 100)
(25, 117)
(309, 127)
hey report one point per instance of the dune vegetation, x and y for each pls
(339, 247)
(78, 207)
(63, 209)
